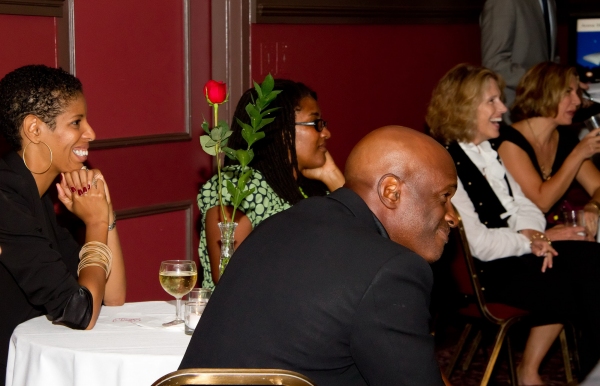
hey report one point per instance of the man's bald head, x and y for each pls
(403, 176)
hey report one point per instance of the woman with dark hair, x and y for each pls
(290, 163)
(547, 159)
(43, 271)
(517, 263)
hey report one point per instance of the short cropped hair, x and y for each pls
(541, 89)
(37, 90)
(451, 115)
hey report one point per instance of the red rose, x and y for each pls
(215, 92)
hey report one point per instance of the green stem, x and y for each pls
(218, 155)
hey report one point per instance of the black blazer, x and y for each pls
(38, 264)
(321, 290)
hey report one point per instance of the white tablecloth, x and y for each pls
(128, 346)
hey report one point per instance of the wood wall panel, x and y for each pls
(32, 7)
(137, 58)
(35, 43)
(146, 241)
(366, 76)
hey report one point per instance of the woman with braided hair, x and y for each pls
(289, 164)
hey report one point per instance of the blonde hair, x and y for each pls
(541, 89)
(452, 110)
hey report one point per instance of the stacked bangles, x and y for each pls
(95, 253)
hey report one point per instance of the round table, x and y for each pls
(128, 346)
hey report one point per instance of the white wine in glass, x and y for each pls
(177, 277)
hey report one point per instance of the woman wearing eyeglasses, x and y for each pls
(289, 164)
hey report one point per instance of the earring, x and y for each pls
(48, 168)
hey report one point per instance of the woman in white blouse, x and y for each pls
(520, 264)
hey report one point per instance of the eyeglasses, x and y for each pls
(318, 124)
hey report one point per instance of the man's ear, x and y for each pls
(32, 128)
(389, 190)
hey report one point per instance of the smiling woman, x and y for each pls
(43, 271)
(520, 263)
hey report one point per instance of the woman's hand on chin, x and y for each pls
(329, 174)
(84, 196)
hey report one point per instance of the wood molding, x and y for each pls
(32, 7)
(373, 12)
(154, 209)
(113, 143)
(151, 210)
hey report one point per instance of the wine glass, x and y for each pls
(177, 277)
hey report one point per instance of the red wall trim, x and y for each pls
(154, 139)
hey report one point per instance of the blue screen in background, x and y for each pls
(588, 50)
(588, 46)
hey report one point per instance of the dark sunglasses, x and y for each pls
(318, 124)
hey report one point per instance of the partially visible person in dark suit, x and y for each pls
(338, 287)
(515, 36)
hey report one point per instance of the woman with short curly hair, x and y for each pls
(43, 271)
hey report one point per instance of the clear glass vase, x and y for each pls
(227, 240)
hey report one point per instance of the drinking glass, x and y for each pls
(177, 277)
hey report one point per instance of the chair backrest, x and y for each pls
(464, 271)
(203, 377)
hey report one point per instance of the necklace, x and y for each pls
(546, 171)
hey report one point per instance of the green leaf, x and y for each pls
(258, 89)
(215, 134)
(208, 145)
(252, 137)
(244, 156)
(252, 111)
(231, 188)
(224, 125)
(244, 126)
(267, 84)
(226, 135)
(229, 152)
(204, 126)
(269, 111)
(265, 122)
(271, 96)
(244, 179)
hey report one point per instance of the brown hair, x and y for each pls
(541, 89)
(452, 110)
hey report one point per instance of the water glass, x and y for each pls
(574, 218)
(199, 295)
(192, 313)
(593, 122)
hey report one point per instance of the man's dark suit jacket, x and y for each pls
(320, 289)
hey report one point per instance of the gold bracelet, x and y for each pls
(595, 204)
(540, 236)
(95, 253)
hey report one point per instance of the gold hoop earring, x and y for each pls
(25, 162)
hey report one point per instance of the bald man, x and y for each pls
(337, 288)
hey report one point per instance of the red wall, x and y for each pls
(35, 43)
(366, 76)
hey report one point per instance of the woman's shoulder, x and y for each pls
(510, 134)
